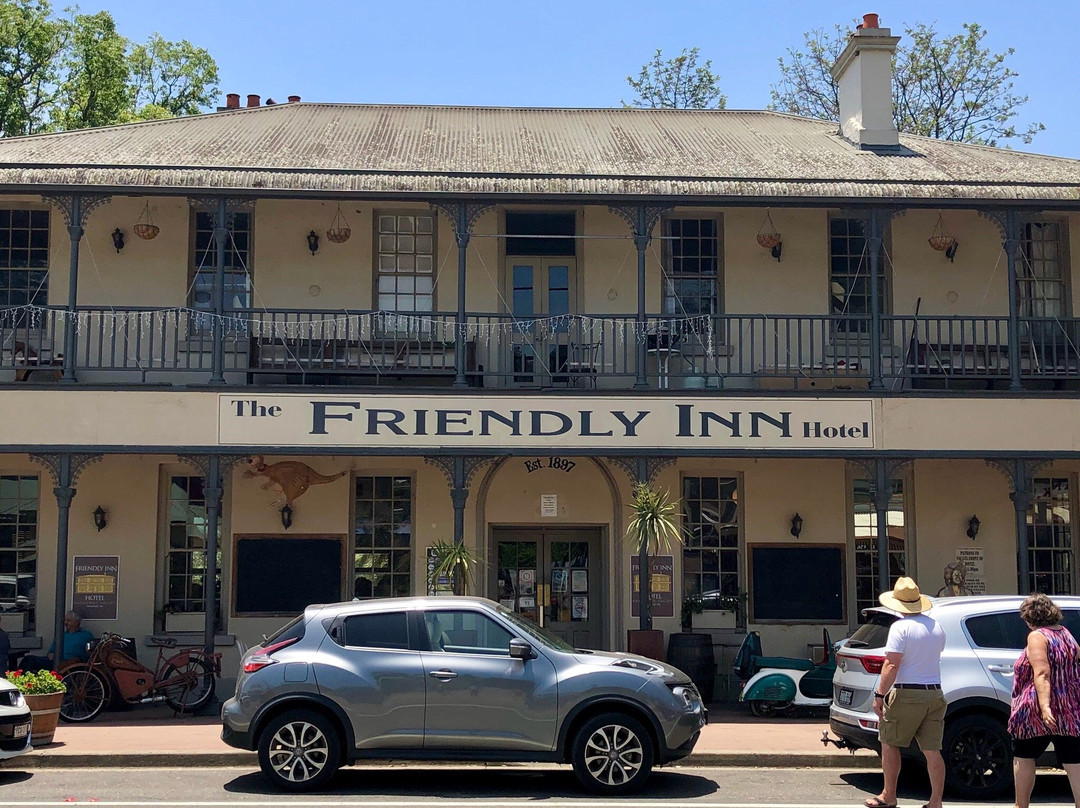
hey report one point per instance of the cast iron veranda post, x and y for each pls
(1021, 498)
(882, 495)
(462, 236)
(212, 491)
(644, 588)
(1011, 242)
(874, 245)
(65, 493)
(641, 242)
(221, 235)
(75, 232)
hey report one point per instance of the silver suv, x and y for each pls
(453, 679)
(983, 638)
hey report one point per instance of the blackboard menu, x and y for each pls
(282, 576)
(797, 583)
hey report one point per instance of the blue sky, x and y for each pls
(558, 53)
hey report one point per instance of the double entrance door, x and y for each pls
(552, 576)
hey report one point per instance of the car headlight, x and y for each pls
(17, 699)
(689, 696)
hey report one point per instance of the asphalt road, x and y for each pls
(474, 786)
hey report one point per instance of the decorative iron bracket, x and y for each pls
(65, 203)
(78, 463)
(629, 214)
(653, 466)
(201, 462)
(866, 467)
(445, 464)
(1031, 466)
(473, 211)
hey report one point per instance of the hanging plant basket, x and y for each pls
(145, 227)
(339, 230)
(767, 236)
(940, 239)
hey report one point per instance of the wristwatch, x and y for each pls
(878, 695)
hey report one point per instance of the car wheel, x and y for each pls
(299, 750)
(768, 709)
(613, 753)
(978, 757)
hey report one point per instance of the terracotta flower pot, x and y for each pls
(45, 712)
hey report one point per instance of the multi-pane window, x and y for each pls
(1040, 276)
(406, 276)
(24, 257)
(1049, 527)
(18, 546)
(186, 584)
(711, 530)
(864, 524)
(691, 267)
(849, 275)
(238, 267)
(382, 553)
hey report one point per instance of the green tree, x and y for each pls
(174, 76)
(94, 85)
(677, 83)
(31, 41)
(946, 87)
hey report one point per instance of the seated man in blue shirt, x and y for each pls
(75, 640)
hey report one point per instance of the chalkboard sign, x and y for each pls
(276, 575)
(797, 583)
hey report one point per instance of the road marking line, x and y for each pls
(299, 802)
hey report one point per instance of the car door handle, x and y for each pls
(1007, 669)
(443, 675)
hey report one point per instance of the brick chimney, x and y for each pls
(232, 101)
(294, 99)
(253, 101)
(863, 74)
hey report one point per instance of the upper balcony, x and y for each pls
(603, 352)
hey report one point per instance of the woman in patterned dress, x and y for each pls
(1045, 698)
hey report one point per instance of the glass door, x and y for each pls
(542, 290)
(552, 577)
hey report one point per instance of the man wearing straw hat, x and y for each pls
(908, 698)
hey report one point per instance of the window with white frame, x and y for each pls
(691, 267)
(1040, 275)
(711, 530)
(1049, 529)
(24, 257)
(864, 527)
(849, 276)
(406, 262)
(19, 547)
(382, 537)
(186, 585)
(238, 262)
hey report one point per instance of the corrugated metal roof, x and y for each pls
(311, 148)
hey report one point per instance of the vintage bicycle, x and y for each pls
(184, 680)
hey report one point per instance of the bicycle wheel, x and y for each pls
(194, 685)
(86, 696)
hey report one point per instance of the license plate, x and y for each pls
(22, 730)
(844, 699)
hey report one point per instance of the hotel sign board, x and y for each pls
(535, 422)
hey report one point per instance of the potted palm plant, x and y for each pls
(652, 529)
(455, 562)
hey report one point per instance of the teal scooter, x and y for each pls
(775, 685)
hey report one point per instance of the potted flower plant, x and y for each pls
(44, 692)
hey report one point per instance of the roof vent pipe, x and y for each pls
(863, 75)
(253, 101)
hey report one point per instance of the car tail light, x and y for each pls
(264, 657)
(866, 723)
(871, 664)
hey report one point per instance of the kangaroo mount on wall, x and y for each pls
(289, 479)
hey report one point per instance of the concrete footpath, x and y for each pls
(154, 737)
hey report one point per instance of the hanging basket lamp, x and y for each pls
(339, 231)
(768, 238)
(940, 239)
(145, 227)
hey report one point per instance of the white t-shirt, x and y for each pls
(920, 639)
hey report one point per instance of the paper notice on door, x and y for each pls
(526, 582)
(580, 608)
(579, 580)
(558, 580)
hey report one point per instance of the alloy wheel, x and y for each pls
(299, 751)
(613, 754)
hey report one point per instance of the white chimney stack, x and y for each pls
(863, 74)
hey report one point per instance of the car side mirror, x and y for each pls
(519, 649)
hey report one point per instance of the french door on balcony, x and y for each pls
(542, 290)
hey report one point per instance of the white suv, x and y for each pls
(983, 638)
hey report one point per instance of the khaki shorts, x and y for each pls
(913, 714)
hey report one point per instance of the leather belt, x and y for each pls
(918, 687)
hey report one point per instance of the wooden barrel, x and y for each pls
(693, 655)
(44, 712)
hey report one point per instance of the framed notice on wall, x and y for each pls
(661, 579)
(95, 585)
